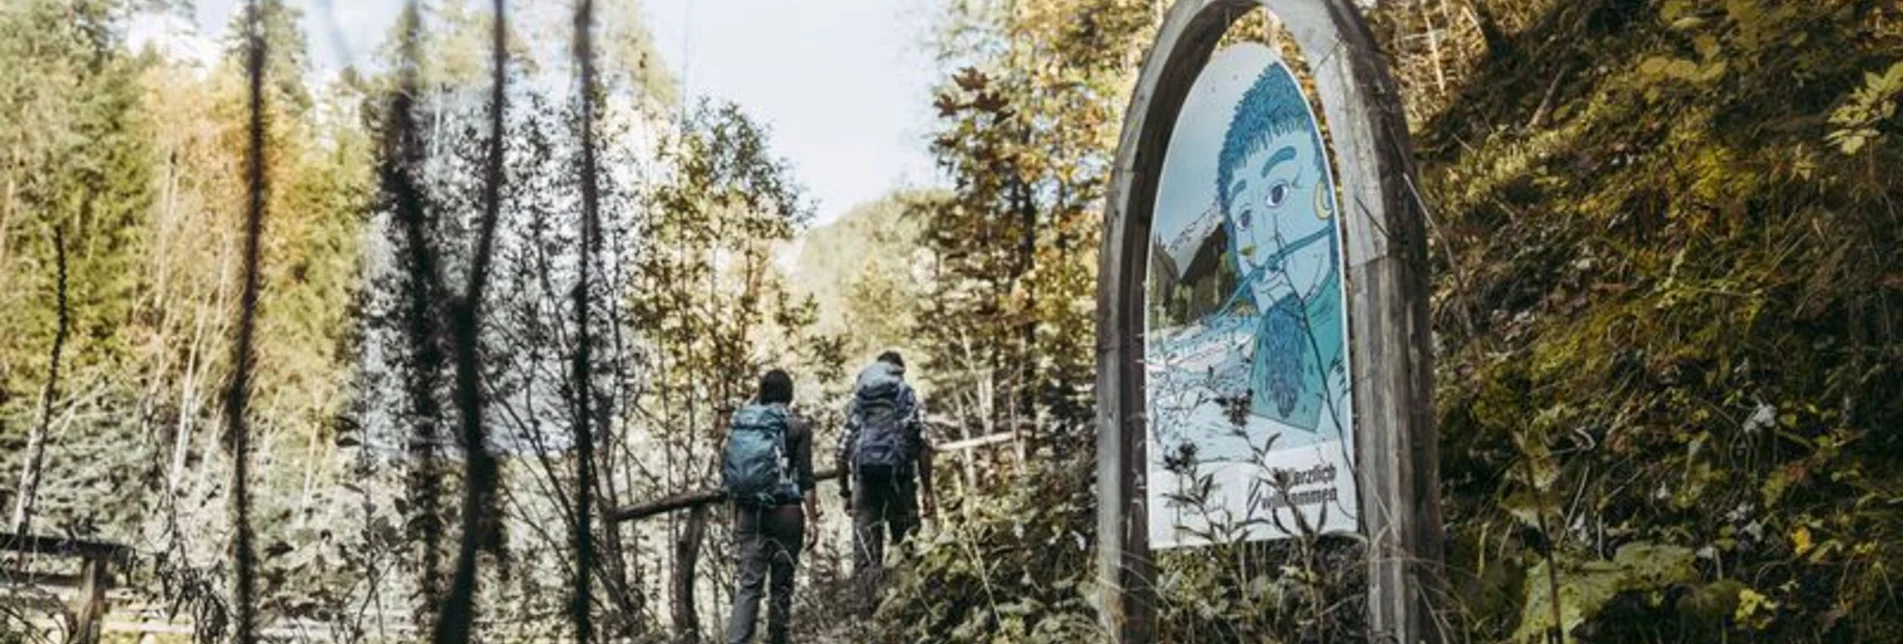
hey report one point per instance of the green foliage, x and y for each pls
(704, 287)
(1637, 567)
(862, 270)
(74, 155)
(1027, 123)
(1012, 567)
(1855, 122)
(1667, 322)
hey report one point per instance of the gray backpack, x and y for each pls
(883, 440)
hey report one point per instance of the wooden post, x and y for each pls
(1386, 273)
(686, 555)
(90, 607)
(1397, 449)
(1124, 569)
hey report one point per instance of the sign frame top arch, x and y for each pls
(1386, 273)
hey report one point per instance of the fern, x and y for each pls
(1854, 124)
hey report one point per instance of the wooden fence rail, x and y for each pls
(95, 574)
(685, 500)
(699, 498)
(687, 544)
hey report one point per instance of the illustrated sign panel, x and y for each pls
(1246, 352)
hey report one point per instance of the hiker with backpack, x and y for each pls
(767, 471)
(884, 461)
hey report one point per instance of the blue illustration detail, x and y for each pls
(1273, 187)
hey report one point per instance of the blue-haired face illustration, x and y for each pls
(1277, 203)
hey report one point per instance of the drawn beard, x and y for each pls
(1283, 362)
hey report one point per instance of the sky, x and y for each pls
(842, 85)
(1187, 187)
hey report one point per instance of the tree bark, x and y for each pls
(456, 622)
(238, 395)
(6, 217)
(36, 436)
(686, 555)
(90, 607)
(583, 368)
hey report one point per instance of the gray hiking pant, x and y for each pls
(880, 505)
(767, 545)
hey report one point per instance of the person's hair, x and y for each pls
(1272, 106)
(776, 387)
(892, 358)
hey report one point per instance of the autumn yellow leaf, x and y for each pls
(1801, 540)
(1750, 604)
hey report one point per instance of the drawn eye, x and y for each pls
(1247, 215)
(1278, 194)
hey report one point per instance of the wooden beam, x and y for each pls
(11, 577)
(981, 441)
(665, 505)
(1397, 459)
(63, 547)
(1125, 572)
(698, 498)
(684, 500)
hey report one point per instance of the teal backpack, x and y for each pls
(755, 468)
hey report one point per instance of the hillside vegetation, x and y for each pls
(1666, 303)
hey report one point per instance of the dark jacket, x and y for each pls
(799, 447)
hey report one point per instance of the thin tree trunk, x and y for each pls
(456, 622)
(211, 314)
(686, 554)
(1433, 46)
(402, 159)
(580, 605)
(313, 461)
(188, 409)
(189, 400)
(1028, 386)
(237, 397)
(36, 436)
(6, 218)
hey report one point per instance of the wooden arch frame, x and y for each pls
(1386, 273)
